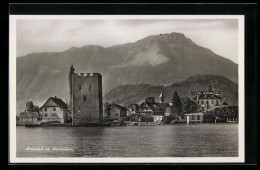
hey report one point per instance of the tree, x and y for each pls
(107, 109)
(36, 109)
(221, 114)
(30, 107)
(176, 107)
(188, 106)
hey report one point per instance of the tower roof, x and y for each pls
(210, 87)
(161, 95)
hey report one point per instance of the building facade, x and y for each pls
(194, 117)
(85, 103)
(28, 117)
(207, 99)
(131, 109)
(116, 112)
(54, 109)
(150, 111)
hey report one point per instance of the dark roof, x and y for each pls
(136, 105)
(118, 106)
(153, 106)
(58, 102)
(149, 99)
(134, 114)
(207, 96)
(164, 105)
(29, 114)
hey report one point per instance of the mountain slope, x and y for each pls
(128, 94)
(156, 60)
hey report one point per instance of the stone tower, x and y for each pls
(161, 98)
(85, 97)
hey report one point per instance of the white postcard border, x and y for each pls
(12, 94)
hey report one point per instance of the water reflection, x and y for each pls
(131, 141)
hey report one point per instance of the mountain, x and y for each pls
(155, 60)
(129, 94)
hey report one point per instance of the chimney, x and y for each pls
(55, 96)
(82, 74)
(88, 74)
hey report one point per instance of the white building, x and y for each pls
(54, 109)
(194, 117)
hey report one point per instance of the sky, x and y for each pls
(219, 35)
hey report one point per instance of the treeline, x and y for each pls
(180, 107)
(221, 114)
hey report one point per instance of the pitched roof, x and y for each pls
(164, 105)
(60, 103)
(153, 106)
(136, 105)
(29, 115)
(118, 106)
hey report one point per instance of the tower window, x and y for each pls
(84, 97)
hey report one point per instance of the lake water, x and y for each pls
(194, 140)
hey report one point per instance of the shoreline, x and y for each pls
(105, 125)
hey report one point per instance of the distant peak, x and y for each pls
(84, 47)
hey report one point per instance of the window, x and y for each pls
(79, 87)
(117, 114)
(89, 87)
(212, 101)
(207, 102)
(182, 116)
(84, 97)
(198, 117)
(202, 102)
(54, 109)
(46, 115)
(193, 117)
(46, 109)
(217, 102)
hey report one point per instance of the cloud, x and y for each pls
(221, 36)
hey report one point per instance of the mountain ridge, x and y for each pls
(156, 60)
(129, 94)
